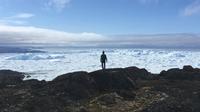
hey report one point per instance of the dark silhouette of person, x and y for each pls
(103, 60)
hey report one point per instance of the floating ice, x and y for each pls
(35, 56)
(59, 61)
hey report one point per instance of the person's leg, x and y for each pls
(102, 65)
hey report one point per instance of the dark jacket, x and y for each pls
(103, 58)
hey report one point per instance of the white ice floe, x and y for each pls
(33, 56)
(49, 65)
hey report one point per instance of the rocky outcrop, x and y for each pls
(8, 77)
(137, 73)
(113, 79)
(76, 86)
(83, 85)
(111, 90)
(187, 73)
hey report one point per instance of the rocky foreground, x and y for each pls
(112, 90)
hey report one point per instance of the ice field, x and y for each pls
(46, 66)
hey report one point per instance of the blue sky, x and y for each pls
(97, 19)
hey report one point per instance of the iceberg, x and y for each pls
(35, 56)
(51, 64)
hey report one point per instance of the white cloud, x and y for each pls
(29, 34)
(22, 16)
(18, 19)
(22, 34)
(157, 40)
(57, 4)
(193, 8)
(15, 22)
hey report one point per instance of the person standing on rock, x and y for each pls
(103, 60)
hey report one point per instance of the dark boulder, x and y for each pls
(83, 85)
(136, 73)
(8, 77)
(77, 85)
(187, 73)
(188, 68)
(34, 83)
(113, 80)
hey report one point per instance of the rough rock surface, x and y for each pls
(113, 90)
(187, 73)
(8, 77)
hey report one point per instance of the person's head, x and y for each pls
(103, 52)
